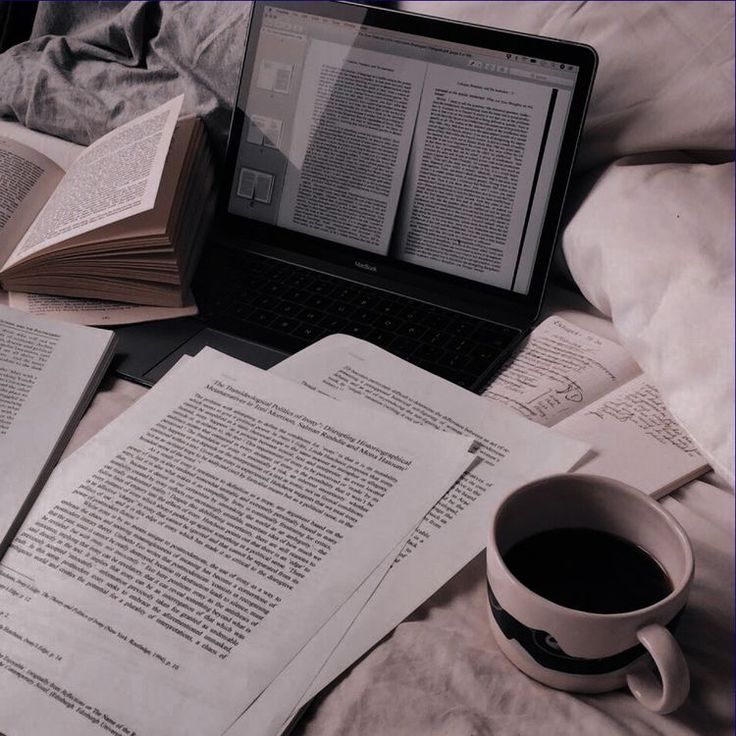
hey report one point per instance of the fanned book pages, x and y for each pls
(48, 373)
(125, 221)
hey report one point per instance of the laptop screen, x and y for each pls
(399, 146)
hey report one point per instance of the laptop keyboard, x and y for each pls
(291, 307)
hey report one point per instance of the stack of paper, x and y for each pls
(193, 568)
(511, 451)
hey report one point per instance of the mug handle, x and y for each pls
(670, 694)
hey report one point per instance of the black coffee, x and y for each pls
(588, 570)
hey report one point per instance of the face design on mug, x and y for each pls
(543, 648)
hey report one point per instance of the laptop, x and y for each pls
(390, 176)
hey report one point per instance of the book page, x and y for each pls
(636, 440)
(175, 563)
(94, 311)
(48, 372)
(449, 536)
(492, 127)
(357, 110)
(60, 151)
(560, 369)
(28, 179)
(116, 177)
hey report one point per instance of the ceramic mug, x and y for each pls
(575, 650)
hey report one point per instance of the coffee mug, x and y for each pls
(587, 578)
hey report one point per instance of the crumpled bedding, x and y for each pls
(652, 247)
(648, 240)
(90, 66)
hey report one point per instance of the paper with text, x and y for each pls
(560, 369)
(470, 122)
(450, 534)
(588, 387)
(182, 557)
(47, 374)
(94, 311)
(636, 440)
(28, 179)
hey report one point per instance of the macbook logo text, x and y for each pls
(366, 266)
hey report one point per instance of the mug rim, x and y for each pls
(672, 523)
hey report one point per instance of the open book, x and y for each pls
(588, 387)
(124, 222)
(48, 374)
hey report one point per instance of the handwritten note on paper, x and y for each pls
(636, 440)
(561, 369)
(639, 403)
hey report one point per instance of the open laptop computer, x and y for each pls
(391, 176)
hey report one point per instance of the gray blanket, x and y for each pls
(91, 66)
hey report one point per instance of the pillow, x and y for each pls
(665, 77)
(652, 247)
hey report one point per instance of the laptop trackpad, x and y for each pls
(249, 352)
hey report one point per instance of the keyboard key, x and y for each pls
(322, 287)
(391, 308)
(310, 332)
(296, 295)
(317, 301)
(368, 316)
(484, 353)
(405, 346)
(387, 323)
(436, 338)
(289, 309)
(262, 317)
(382, 338)
(343, 310)
(462, 327)
(459, 345)
(334, 324)
(312, 316)
(368, 301)
(345, 294)
(283, 324)
(412, 330)
(431, 354)
(358, 330)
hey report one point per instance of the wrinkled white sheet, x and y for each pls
(652, 246)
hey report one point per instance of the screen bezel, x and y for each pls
(384, 272)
